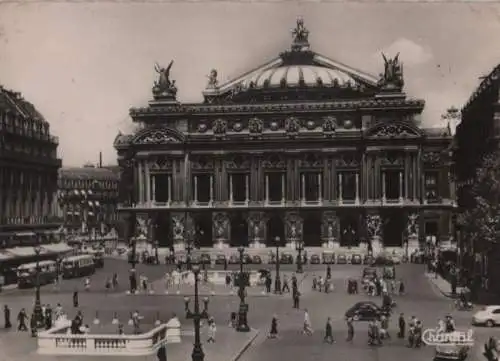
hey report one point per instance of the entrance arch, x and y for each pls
(393, 228)
(163, 230)
(349, 235)
(203, 230)
(239, 230)
(275, 228)
(312, 230)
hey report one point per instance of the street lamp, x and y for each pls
(38, 305)
(277, 281)
(197, 354)
(300, 248)
(189, 248)
(243, 311)
(132, 259)
(157, 259)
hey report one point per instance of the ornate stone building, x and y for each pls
(28, 172)
(88, 198)
(301, 148)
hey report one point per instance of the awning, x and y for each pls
(24, 251)
(5, 255)
(57, 247)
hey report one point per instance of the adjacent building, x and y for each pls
(300, 149)
(28, 173)
(476, 137)
(88, 198)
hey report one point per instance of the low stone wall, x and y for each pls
(57, 341)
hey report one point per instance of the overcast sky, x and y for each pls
(84, 65)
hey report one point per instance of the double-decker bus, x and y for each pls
(78, 266)
(26, 274)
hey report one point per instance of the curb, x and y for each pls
(246, 346)
(436, 287)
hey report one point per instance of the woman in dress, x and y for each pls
(274, 327)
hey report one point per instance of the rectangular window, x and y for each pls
(201, 184)
(276, 183)
(310, 186)
(346, 185)
(162, 188)
(431, 186)
(238, 186)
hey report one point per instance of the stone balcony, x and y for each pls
(57, 341)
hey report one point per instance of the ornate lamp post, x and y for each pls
(38, 305)
(300, 248)
(197, 354)
(132, 259)
(277, 281)
(189, 248)
(243, 311)
(157, 259)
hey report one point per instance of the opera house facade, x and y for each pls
(302, 148)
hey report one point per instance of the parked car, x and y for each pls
(256, 259)
(328, 258)
(383, 260)
(234, 259)
(205, 258)
(220, 259)
(315, 259)
(369, 273)
(356, 259)
(246, 259)
(341, 259)
(368, 259)
(286, 258)
(488, 316)
(451, 351)
(366, 311)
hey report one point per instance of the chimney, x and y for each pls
(100, 159)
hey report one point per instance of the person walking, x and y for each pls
(269, 281)
(307, 324)
(274, 327)
(75, 299)
(6, 317)
(328, 272)
(350, 329)
(33, 325)
(87, 284)
(21, 319)
(329, 332)
(48, 317)
(402, 326)
(285, 287)
(296, 299)
(211, 330)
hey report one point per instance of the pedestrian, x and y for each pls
(274, 327)
(307, 330)
(327, 286)
(402, 326)
(108, 284)
(48, 318)
(384, 326)
(211, 330)
(418, 334)
(87, 284)
(145, 283)
(401, 287)
(350, 329)
(328, 272)
(314, 283)
(120, 329)
(33, 325)
(269, 281)
(296, 300)
(6, 317)
(294, 282)
(441, 326)
(115, 281)
(75, 299)
(21, 320)
(285, 287)
(228, 280)
(321, 282)
(329, 331)
(449, 324)
(225, 264)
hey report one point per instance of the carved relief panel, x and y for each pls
(160, 163)
(257, 226)
(238, 162)
(329, 226)
(182, 227)
(394, 159)
(221, 226)
(374, 226)
(412, 227)
(311, 161)
(202, 163)
(432, 159)
(273, 162)
(293, 227)
(347, 160)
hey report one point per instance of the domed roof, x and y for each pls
(295, 75)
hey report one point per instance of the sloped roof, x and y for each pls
(88, 173)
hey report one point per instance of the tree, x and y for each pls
(481, 223)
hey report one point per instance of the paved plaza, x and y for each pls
(422, 299)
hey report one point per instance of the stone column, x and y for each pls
(357, 188)
(374, 232)
(230, 188)
(320, 187)
(364, 178)
(303, 187)
(333, 181)
(293, 229)
(221, 229)
(283, 188)
(414, 177)
(195, 196)
(140, 178)
(330, 230)
(401, 195)
(170, 189)
(267, 189)
(147, 182)
(257, 230)
(377, 177)
(340, 200)
(211, 189)
(384, 199)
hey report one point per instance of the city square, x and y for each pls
(275, 191)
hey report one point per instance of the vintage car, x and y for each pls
(328, 257)
(383, 260)
(220, 259)
(286, 258)
(205, 258)
(341, 259)
(366, 311)
(234, 259)
(356, 259)
(315, 259)
(256, 259)
(451, 351)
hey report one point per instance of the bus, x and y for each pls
(26, 274)
(78, 266)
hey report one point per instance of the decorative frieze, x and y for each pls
(202, 163)
(255, 127)
(274, 162)
(348, 160)
(432, 159)
(292, 127)
(160, 163)
(329, 126)
(219, 127)
(237, 163)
